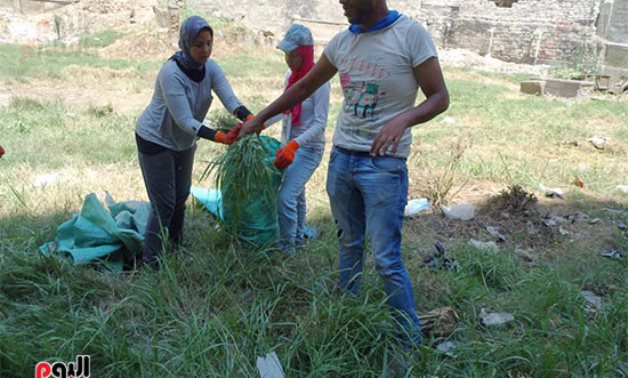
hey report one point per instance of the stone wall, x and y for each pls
(589, 32)
(613, 30)
(531, 31)
(29, 21)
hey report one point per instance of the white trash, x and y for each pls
(495, 318)
(269, 366)
(591, 298)
(416, 206)
(449, 120)
(623, 188)
(463, 212)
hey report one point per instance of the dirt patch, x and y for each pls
(79, 94)
(516, 212)
(155, 44)
(523, 220)
(158, 44)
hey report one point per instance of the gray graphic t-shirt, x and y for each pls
(377, 79)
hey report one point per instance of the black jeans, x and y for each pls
(168, 177)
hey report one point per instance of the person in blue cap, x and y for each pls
(167, 131)
(303, 136)
(383, 59)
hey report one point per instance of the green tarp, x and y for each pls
(96, 234)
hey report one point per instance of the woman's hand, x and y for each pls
(234, 134)
(285, 155)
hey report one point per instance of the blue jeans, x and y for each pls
(291, 207)
(367, 196)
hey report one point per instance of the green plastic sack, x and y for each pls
(258, 223)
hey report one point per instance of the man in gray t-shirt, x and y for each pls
(383, 59)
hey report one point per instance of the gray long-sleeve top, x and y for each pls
(313, 120)
(179, 105)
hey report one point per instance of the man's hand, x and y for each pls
(389, 135)
(285, 155)
(430, 79)
(251, 125)
(233, 135)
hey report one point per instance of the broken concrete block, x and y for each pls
(533, 87)
(567, 88)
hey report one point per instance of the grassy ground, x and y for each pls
(218, 305)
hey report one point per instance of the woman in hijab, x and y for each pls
(167, 131)
(303, 133)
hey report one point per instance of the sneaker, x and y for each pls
(287, 248)
(310, 233)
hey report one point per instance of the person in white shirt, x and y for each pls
(383, 59)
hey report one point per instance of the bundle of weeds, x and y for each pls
(516, 200)
(244, 176)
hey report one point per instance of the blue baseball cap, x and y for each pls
(297, 35)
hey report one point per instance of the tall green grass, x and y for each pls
(217, 305)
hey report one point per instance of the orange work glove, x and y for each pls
(285, 155)
(222, 137)
(233, 134)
